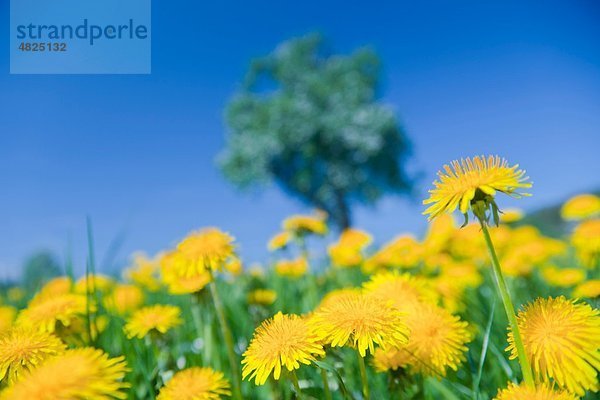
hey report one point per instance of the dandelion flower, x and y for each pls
(144, 271)
(590, 289)
(47, 314)
(338, 295)
(402, 290)
(195, 383)
(390, 359)
(124, 299)
(302, 225)
(98, 283)
(280, 241)
(511, 215)
(562, 341)
(586, 240)
(262, 296)
(563, 277)
(581, 207)
(471, 180)
(437, 340)
(282, 341)
(206, 249)
(177, 280)
(23, 349)
(292, 268)
(402, 252)
(360, 321)
(78, 374)
(347, 251)
(54, 287)
(524, 392)
(7, 317)
(156, 318)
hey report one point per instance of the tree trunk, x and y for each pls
(341, 216)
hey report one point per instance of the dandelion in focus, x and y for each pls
(77, 374)
(24, 349)
(581, 207)
(360, 321)
(562, 341)
(282, 341)
(156, 318)
(195, 383)
(469, 181)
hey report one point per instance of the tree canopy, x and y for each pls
(311, 122)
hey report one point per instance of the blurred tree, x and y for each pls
(38, 269)
(310, 121)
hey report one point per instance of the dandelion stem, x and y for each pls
(235, 375)
(200, 332)
(296, 384)
(363, 376)
(508, 305)
(326, 390)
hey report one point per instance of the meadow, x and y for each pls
(482, 306)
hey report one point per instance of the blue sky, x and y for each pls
(136, 153)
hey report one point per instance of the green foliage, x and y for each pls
(310, 121)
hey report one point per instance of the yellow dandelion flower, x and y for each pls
(347, 251)
(511, 215)
(292, 268)
(562, 341)
(355, 238)
(581, 207)
(195, 383)
(437, 340)
(262, 296)
(23, 349)
(390, 359)
(78, 374)
(586, 240)
(471, 180)
(280, 241)
(562, 277)
(301, 225)
(99, 283)
(360, 321)
(282, 341)
(7, 317)
(156, 318)
(589, 289)
(124, 299)
(56, 286)
(177, 280)
(402, 290)
(144, 271)
(234, 266)
(402, 252)
(47, 314)
(540, 392)
(206, 249)
(439, 234)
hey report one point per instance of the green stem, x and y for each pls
(508, 306)
(200, 331)
(326, 390)
(363, 376)
(296, 384)
(235, 375)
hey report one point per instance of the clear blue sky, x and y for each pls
(136, 153)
